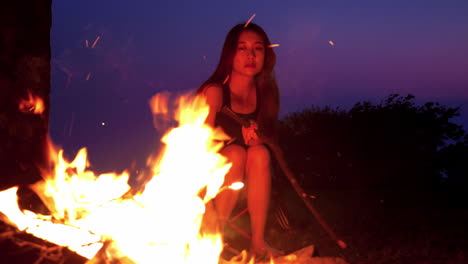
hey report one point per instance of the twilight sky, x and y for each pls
(138, 48)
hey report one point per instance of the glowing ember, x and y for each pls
(331, 43)
(273, 45)
(33, 104)
(158, 225)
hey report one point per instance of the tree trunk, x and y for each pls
(24, 68)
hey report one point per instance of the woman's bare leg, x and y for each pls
(226, 200)
(258, 193)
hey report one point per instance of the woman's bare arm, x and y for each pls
(214, 99)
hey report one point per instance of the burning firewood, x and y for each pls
(19, 247)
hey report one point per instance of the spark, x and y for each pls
(309, 195)
(342, 244)
(70, 128)
(331, 43)
(250, 20)
(291, 257)
(103, 124)
(88, 76)
(225, 80)
(236, 186)
(273, 45)
(96, 41)
(87, 43)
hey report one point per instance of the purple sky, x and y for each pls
(380, 47)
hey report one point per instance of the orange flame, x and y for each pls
(158, 225)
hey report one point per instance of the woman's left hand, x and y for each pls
(250, 135)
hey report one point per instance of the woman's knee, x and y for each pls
(235, 154)
(259, 154)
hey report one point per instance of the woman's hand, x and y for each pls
(250, 136)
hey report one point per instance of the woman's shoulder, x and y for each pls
(213, 87)
(213, 90)
(214, 95)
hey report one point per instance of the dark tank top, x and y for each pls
(229, 125)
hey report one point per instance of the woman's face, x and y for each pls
(250, 54)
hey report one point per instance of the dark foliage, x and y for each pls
(390, 178)
(393, 144)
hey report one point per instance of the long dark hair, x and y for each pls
(265, 80)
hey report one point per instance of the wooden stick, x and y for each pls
(279, 155)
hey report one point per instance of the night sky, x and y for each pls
(138, 48)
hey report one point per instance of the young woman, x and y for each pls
(244, 82)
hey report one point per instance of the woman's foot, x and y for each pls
(263, 251)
